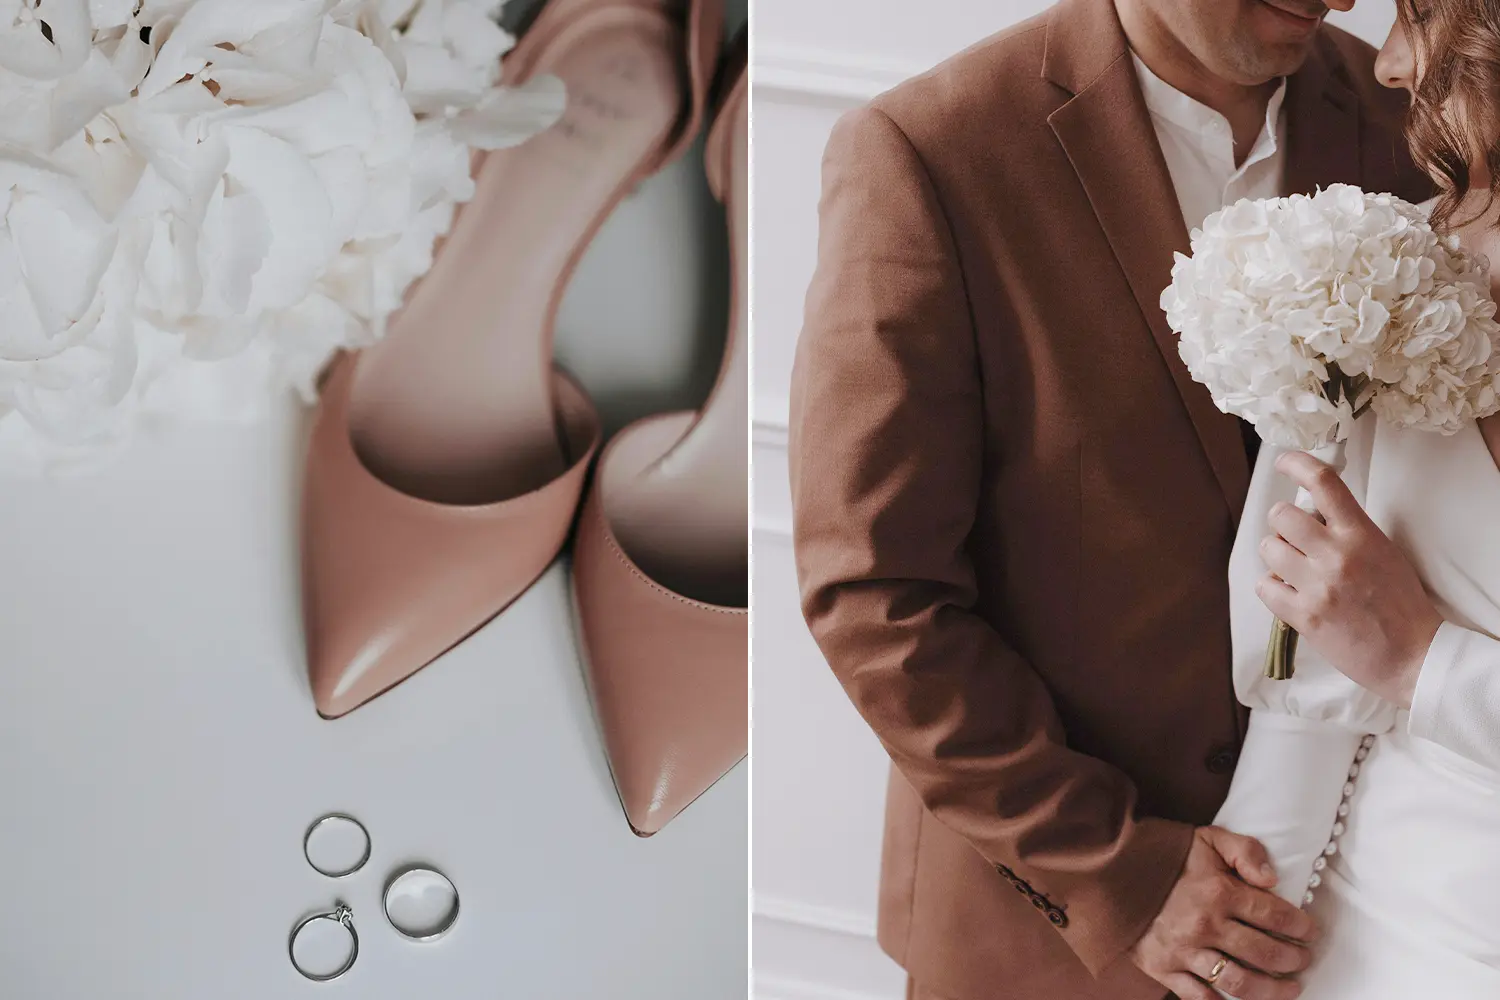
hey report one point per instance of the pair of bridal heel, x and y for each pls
(450, 462)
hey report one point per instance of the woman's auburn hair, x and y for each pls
(1455, 109)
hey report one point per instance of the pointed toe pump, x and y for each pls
(660, 564)
(447, 461)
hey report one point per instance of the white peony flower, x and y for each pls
(67, 286)
(202, 200)
(1298, 312)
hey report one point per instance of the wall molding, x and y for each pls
(824, 75)
(835, 920)
(776, 527)
(791, 988)
(772, 414)
(806, 951)
(767, 431)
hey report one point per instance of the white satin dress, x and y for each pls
(1396, 837)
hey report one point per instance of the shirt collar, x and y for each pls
(1166, 102)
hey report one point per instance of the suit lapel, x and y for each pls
(1107, 134)
(1323, 129)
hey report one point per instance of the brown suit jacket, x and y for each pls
(1014, 507)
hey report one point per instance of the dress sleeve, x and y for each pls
(1457, 699)
(1304, 732)
(1317, 692)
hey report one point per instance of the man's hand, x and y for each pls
(1345, 587)
(1221, 907)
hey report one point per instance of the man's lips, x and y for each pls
(1308, 17)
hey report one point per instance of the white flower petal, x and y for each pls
(296, 206)
(509, 116)
(207, 24)
(44, 42)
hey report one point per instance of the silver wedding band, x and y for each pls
(1217, 970)
(335, 818)
(399, 876)
(340, 914)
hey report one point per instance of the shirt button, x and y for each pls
(1221, 760)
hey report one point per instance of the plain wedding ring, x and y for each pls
(340, 914)
(335, 818)
(1217, 970)
(426, 934)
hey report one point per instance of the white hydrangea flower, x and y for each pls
(1293, 311)
(202, 200)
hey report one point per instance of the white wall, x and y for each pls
(818, 775)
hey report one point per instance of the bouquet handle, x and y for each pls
(1281, 652)
(1281, 647)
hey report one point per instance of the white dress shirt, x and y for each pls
(1199, 146)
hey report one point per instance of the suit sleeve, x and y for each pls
(887, 450)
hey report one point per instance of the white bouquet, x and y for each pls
(202, 200)
(1300, 313)
(1297, 312)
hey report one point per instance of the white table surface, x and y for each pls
(160, 756)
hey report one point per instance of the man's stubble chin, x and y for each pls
(1230, 46)
(1251, 64)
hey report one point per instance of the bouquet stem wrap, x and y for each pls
(1281, 649)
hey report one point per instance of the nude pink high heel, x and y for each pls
(660, 564)
(447, 461)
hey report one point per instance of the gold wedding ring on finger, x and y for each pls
(1217, 970)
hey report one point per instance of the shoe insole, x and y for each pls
(684, 518)
(455, 405)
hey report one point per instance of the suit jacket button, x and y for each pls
(1221, 760)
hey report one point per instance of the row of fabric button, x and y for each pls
(1054, 913)
(1332, 847)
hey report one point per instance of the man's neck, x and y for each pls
(1166, 56)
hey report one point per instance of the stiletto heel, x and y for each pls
(660, 565)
